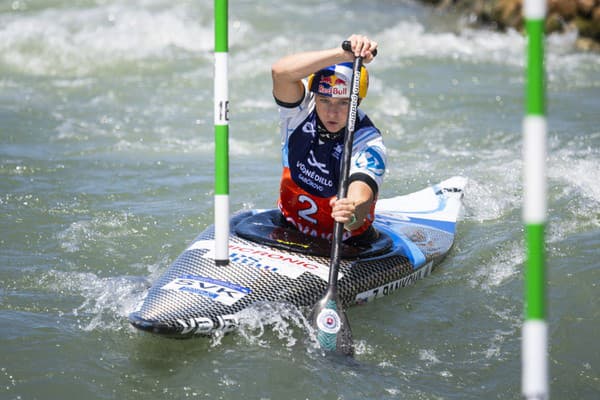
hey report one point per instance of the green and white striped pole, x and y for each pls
(221, 93)
(534, 384)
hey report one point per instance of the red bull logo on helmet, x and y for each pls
(333, 86)
(333, 81)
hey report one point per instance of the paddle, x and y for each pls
(328, 317)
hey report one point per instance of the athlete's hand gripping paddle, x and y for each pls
(328, 317)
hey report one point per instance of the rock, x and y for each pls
(585, 7)
(587, 28)
(596, 14)
(554, 23)
(565, 8)
(587, 44)
(562, 15)
(508, 12)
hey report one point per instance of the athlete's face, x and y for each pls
(332, 112)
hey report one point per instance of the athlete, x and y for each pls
(312, 90)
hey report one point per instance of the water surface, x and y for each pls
(106, 164)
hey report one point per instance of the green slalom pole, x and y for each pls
(534, 354)
(221, 97)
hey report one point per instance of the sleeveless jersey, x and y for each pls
(311, 168)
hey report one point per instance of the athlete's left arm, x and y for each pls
(366, 175)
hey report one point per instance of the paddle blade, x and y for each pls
(331, 324)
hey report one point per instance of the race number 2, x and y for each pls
(310, 209)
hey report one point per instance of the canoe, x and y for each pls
(269, 261)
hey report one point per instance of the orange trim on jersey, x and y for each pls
(311, 214)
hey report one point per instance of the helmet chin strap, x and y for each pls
(325, 134)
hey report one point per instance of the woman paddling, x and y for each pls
(312, 90)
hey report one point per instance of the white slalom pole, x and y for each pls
(221, 92)
(534, 357)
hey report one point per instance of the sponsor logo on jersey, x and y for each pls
(312, 178)
(372, 161)
(337, 151)
(309, 127)
(312, 161)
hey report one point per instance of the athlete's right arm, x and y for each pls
(288, 72)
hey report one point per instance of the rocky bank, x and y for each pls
(563, 15)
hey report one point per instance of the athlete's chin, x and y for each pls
(333, 127)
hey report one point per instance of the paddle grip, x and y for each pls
(346, 45)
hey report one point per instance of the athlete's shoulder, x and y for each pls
(297, 118)
(366, 131)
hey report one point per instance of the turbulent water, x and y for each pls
(106, 165)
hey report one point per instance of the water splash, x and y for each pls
(486, 202)
(501, 268)
(107, 301)
(259, 322)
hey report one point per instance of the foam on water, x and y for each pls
(429, 356)
(578, 170)
(85, 233)
(573, 202)
(485, 202)
(78, 40)
(411, 39)
(393, 104)
(503, 266)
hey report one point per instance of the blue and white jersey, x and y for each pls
(311, 168)
(315, 163)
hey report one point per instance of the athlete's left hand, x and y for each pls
(343, 210)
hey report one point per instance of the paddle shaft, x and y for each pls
(338, 228)
(333, 329)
